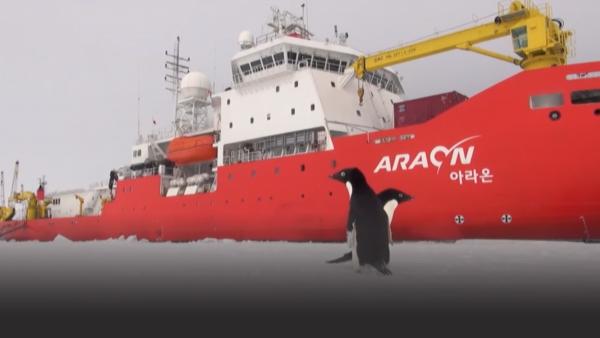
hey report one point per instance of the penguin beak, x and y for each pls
(336, 177)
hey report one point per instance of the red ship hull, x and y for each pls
(489, 168)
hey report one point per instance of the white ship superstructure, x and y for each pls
(290, 95)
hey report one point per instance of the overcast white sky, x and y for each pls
(69, 70)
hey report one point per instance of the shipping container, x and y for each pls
(424, 109)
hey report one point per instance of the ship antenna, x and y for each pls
(176, 66)
(139, 103)
(2, 198)
(306, 5)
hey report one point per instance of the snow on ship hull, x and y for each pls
(536, 179)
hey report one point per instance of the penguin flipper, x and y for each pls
(345, 258)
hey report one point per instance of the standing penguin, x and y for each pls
(390, 200)
(367, 222)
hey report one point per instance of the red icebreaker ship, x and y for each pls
(517, 161)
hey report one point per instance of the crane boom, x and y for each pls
(538, 40)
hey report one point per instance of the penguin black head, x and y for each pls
(394, 195)
(351, 175)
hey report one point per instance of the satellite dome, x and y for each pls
(195, 85)
(246, 40)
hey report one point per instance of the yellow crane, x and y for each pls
(81, 200)
(538, 39)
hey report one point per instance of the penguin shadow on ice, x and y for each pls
(369, 221)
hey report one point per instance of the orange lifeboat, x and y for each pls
(192, 149)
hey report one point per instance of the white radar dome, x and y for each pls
(246, 40)
(195, 85)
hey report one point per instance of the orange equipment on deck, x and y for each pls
(186, 150)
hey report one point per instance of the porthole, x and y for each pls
(302, 196)
(293, 111)
(296, 84)
(277, 89)
(230, 125)
(312, 107)
(506, 219)
(252, 120)
(459, 219)
(332, 84)
(228, 102)
(555, 115)
(331, 194)
(358, 113)
(303, 168)
(268, 117)
(597, 112)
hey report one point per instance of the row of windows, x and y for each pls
(557, 100)
(383, 80)
(313, 61)
(137, 153)
(56, 201)
(293, 58)
(292, 112)
(263, 63)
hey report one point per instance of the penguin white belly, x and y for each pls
(390, 208)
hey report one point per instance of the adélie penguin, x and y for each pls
(390, 199)
(367, 224)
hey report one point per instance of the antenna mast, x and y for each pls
(15, 184)
(176, 66)
(139, 103)
(2, 197)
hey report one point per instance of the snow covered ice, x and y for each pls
(227, 274)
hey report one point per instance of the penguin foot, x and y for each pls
(383, 270)
(345, 258)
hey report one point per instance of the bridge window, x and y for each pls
(546, 101)
(306, 57)
(333, 65)
(246, 69)
(318, 62)
(268, 61)
(585, 96)
(292, 58)
(279, 59)
(256, 66)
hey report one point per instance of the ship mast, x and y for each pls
(176, 66)
(15, 184)
(2, 197)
